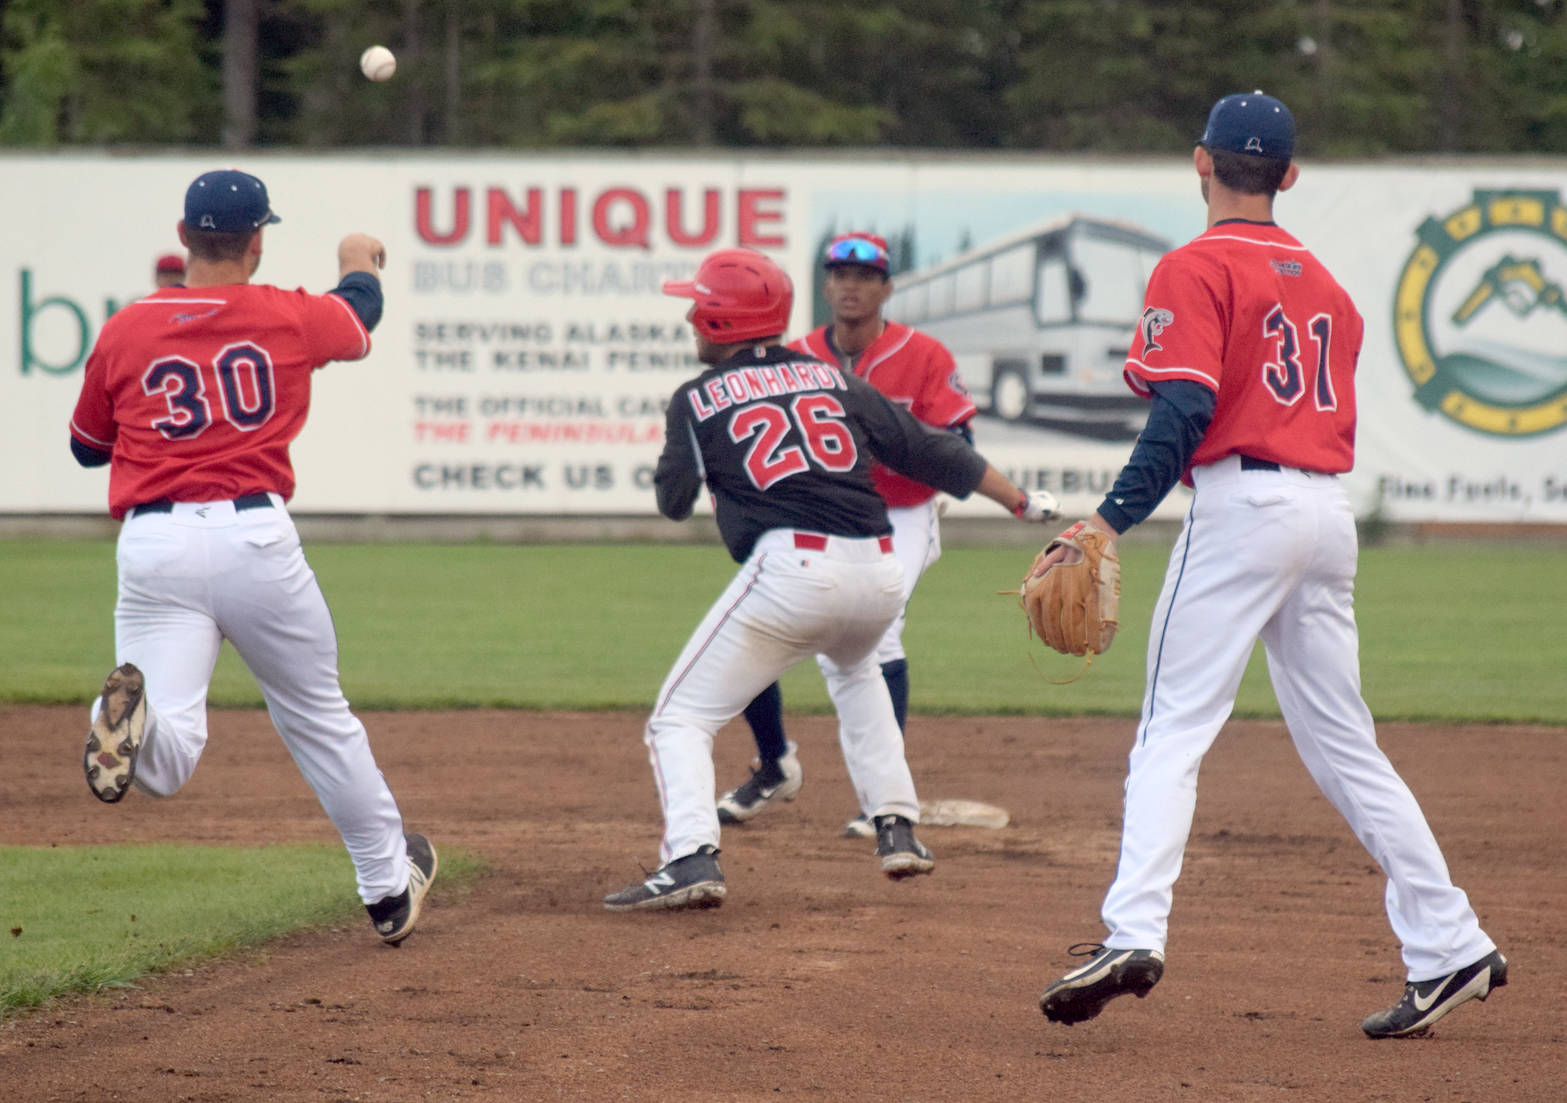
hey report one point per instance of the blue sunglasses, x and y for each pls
(856, 250)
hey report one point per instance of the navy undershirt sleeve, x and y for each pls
(1178, 417)
(362, 292)
(87, 455)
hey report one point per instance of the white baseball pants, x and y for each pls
(203, 573)
(916, 541)
(785, 604)
(1272, 555)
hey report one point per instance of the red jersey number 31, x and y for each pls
(1285, 377)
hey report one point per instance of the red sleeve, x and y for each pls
(332, 329)
(944, 401)
(1181, 332)
(92, 422)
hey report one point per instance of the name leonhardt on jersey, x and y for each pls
(766, 381)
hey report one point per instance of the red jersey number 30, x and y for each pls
(245, 389)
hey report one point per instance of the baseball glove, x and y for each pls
(1073, 606)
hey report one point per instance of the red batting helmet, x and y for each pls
(740, 295)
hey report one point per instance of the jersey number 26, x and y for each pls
(820, 421)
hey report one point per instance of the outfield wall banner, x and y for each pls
(526, 352)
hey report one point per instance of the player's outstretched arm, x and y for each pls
(360, 253)
(1038, 505)
(359, 258)
(939, 458)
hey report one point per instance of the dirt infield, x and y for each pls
(818, 978)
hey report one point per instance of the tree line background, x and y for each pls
(1364, 77)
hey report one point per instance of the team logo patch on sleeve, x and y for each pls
(1154, 321)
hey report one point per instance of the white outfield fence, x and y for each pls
(520, 372)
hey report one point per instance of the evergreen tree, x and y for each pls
(1132, 76)
(94, 72)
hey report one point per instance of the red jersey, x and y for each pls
(918, 373)
(1248, 312)
(199, 392)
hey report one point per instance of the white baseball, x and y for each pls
(378, 63)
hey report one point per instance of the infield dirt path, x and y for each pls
(818, 978)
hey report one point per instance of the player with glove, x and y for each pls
(1247, 349)
(1072, 593)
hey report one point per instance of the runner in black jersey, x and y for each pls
(784, 442)
(787, 441)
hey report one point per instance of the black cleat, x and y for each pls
(771, 781)
(1426, 1001)
(395, 916)
(692, 881)
(901, 854)
(1083, 993)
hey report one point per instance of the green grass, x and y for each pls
(1448, 631)
(86, 919)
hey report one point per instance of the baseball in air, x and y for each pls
(378, 63)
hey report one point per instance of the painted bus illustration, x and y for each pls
(1040, 321)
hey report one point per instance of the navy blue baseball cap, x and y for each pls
(1251, 122)
(228, 201)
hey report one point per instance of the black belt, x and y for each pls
(1251, 463)
(166, 505)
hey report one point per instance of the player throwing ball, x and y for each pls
(785, 443)
(192, 396)
(1247, 349)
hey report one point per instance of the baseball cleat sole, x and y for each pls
(114, 740)
(897, 867)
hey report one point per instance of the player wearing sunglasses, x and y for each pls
(918, 373)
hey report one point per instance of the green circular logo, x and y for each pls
(1479, 314)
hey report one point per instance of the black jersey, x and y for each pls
(786, 441)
